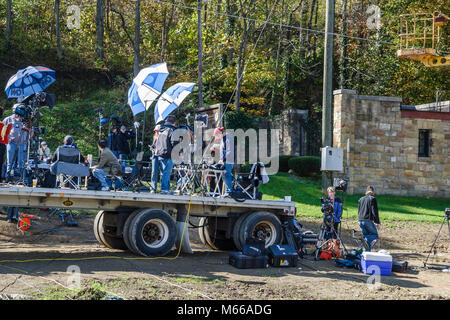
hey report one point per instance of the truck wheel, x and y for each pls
(201, 232)
(237, 230)
(105, 234)
(126, 231)
(261, 225)
(215, 239)
(152, 232)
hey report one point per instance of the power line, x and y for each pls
(272, 23)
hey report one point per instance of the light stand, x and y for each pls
(446, 218)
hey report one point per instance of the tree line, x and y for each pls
(261, 57)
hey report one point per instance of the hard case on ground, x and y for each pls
(254, 247)
(399, 266)
(242, 261)
(282, 256)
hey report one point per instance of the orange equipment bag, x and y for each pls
(24, 223)
(331, 251)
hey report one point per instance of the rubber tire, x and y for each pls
(219, 242)
(103, 238)
(201, 232)
(126, 231)
(135, 230)
(253, 219)
(237, 230)
(206, 234)
(96, 228)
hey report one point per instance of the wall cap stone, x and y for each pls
(380, 98)
(344, 91)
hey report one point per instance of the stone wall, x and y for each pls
(383, 146)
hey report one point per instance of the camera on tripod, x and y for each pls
(28, 107)
(340, 184)
(327, 207)
(328, 212)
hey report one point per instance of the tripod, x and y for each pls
(327, 227)
(446, 218)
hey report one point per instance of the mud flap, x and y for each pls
(183, 237)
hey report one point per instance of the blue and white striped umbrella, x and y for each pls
(29, 81)
(146, 87)
(171, 99)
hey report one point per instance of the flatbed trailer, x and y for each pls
(150, 224)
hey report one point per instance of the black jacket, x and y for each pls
(165, 141)
(368, 209)
(121, 142)
(113, 142)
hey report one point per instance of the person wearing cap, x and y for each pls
(112, 141)
(15, 150)
(122, 145)
(226, 150)
(163, 151)
(44, 152)
(155, 162)
(369, 220)
(68, 143)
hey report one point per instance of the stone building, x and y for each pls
(400, 150)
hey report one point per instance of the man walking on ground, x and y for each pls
(369, 220)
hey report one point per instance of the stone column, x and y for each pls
(344, 128)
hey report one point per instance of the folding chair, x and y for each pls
(68, 168)
(134, 179)
(248, 185)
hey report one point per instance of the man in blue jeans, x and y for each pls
(368, 217)
(155, 162)
(226, 157)
(17, 142)
(163, 151)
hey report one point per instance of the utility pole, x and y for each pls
(327, 104)
(200, 53)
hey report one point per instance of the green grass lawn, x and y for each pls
(307, 193)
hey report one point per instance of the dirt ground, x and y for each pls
(34, 265)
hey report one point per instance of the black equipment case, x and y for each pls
(282, 256)
(399, 266)
(254, 247)
(242, 261)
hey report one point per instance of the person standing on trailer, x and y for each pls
(2, 152)
(17, 141)
(368, 217)
(112, 141)
(123, 146)
(164, 145)
(155, 162)
(226, 157)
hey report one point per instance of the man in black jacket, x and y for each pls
(112, 141)
(163, 151)
(122, 144)
(369, 220)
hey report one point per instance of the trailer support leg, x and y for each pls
(182, 225)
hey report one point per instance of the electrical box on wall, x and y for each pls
(332, 159)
